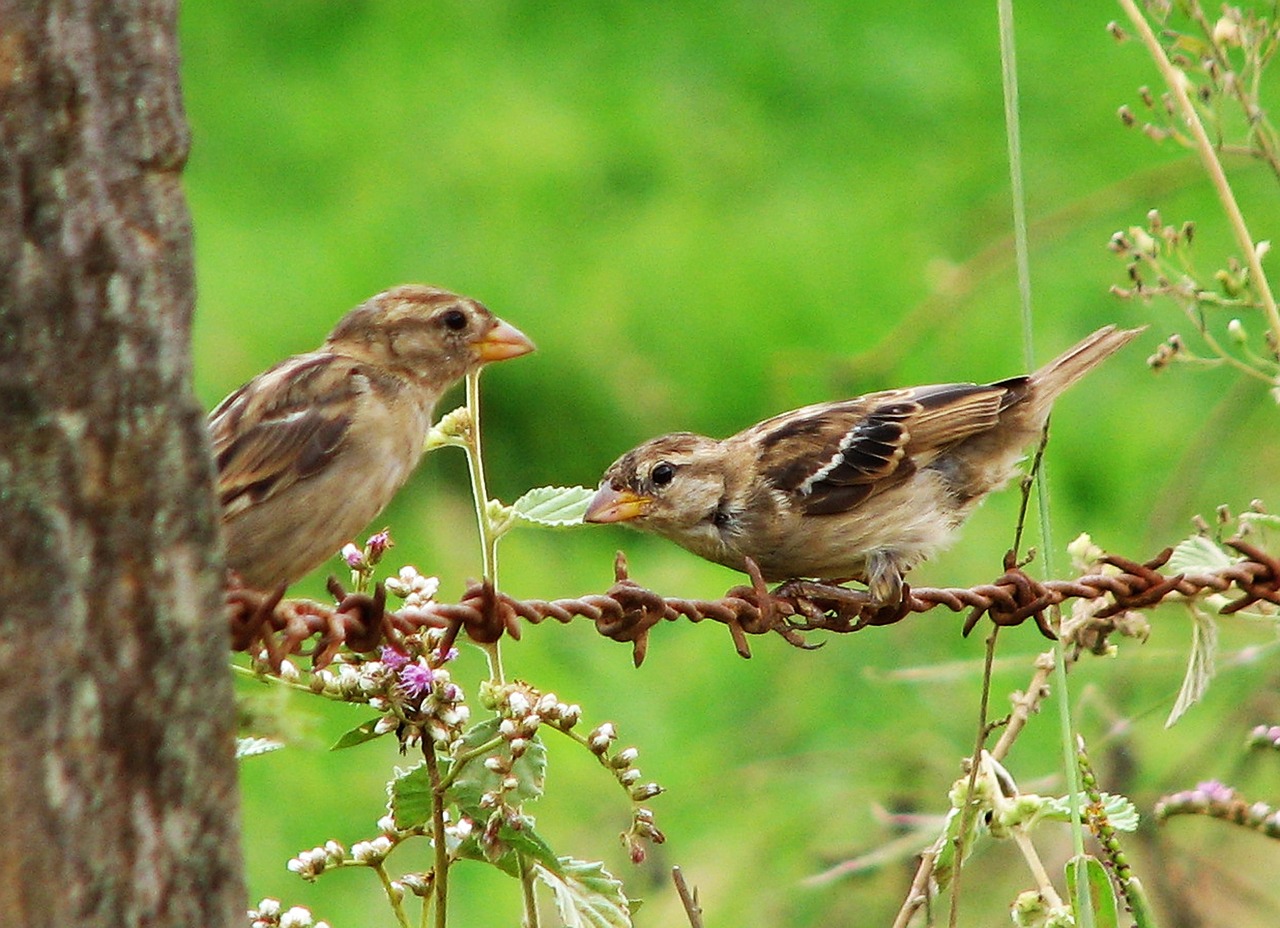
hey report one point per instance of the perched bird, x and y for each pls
(310, 451)
(861, 489)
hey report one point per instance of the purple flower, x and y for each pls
(378, 543)
(416, 679)
(353, 556)
(394, 658)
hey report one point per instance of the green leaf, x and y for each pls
(1119, 810)
(553, 507)
(409, 796)
(359, 735)
(1200, 665)
(474, 780)
(1101, 896)
(1198, 555)
(586, 895)
(1264, 520)
(254, 747)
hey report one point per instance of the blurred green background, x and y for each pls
(705, 213)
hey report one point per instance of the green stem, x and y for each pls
(480, 493)
(1009, 70)
(401, 918)
(1177, 82)
(530, 889)
(440, 881)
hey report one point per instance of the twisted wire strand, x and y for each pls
(626, 612)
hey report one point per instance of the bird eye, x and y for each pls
(455, 319)
(662, 474)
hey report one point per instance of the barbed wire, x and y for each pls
(626, 612)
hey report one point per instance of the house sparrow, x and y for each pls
(310, 451)
(861, 489)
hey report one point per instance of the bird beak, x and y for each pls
(503, 341)
(610, 505)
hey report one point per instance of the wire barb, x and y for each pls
(626, 612)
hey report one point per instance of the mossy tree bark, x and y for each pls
(118, 802)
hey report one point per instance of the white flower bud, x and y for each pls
(297, 917)
(385, 724)
(269, 907)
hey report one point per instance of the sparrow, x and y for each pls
(310, 451)
(861, 489)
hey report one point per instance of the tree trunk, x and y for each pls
(118, 801)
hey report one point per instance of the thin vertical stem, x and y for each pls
(1009, 71)
(480, 493)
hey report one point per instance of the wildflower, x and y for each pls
(416, 679)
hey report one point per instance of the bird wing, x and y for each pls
(835, 455)
(267, 436)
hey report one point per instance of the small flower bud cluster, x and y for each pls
(1265, 736)
(521, 703)
(310, 864)
(373, 852)
(362, 561)
(642, 830)
(416, 590)
(418, 883)
(623, 766)
(270, 914)
(1218, 800)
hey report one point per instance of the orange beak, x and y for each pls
(610, 505)
(503, 341)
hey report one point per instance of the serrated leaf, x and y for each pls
(553, 507)
(255, 747)
(1101, 898)
(409, 796)
(1120, 811)
(363, 732)
(586, 895)
(1200, 665)
(1198, 555)
(474, 780)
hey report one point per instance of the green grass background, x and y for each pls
(705, 213)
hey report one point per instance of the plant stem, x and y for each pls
(1009, 71)
(1177, 82)
(480, 493)
(401, 918)
(530, 889)
(440, 882)
(1036, 866)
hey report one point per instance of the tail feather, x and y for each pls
(1060, 373)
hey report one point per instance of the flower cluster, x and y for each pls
(310, 864)
(622, 764)
(271, 914)
(410, 685)
(1217, 800)
(415, 589)
(1265, 736)
(362, 561)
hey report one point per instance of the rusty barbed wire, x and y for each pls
(626, 612)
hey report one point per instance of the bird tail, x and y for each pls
(1064, 370)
